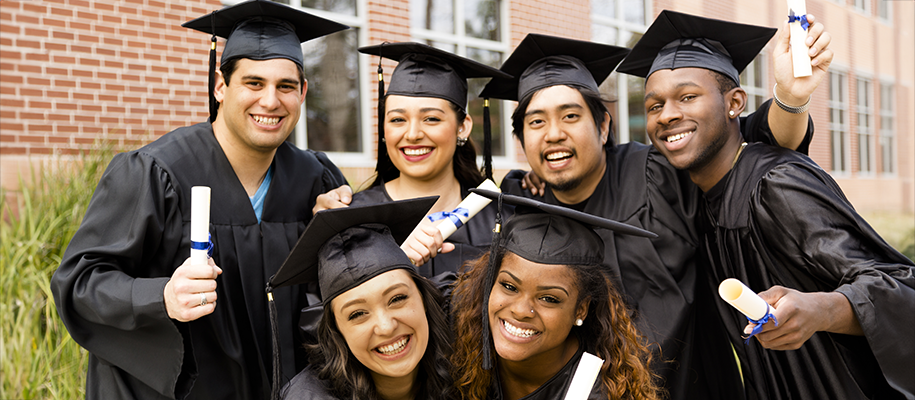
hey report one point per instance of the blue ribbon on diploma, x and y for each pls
(759, 324)
(454, 216)
(796, 18)
(208, 245)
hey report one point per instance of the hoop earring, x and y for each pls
(461, 141)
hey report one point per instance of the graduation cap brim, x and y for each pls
(600, 59)
(308, 26)
(743, 42)
(468, 67)
(301, 266)
(579, 216)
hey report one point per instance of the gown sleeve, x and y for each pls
(109, 286)
(821, 232)
(755, 128)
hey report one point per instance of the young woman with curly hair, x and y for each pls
(550, 300)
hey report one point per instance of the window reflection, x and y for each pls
(332, 100)
(433, 15)
(481, 19)
(347, 7)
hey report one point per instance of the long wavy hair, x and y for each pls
(464, 160)
(607, 330)
(347, 378)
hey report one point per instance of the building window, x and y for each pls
(470, 28)
(862, 5)
(887, 130)
(622, 23)
(752, 80)
(884, 9)
(864, 109)
(838, 121)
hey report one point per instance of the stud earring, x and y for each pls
(731, 113)
(461, 141)
(532, 311)
(578, 322)
(382, 140)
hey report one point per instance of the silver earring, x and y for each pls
(731, 113)
(532, 311)
(578, 322)
(461, 141)
(382, 140)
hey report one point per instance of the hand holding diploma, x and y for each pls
(795, 90)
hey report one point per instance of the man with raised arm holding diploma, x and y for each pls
(843, 299)
(156, 324)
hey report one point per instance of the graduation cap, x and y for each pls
(425, 71)
(259, 30)
(544, 234)
(343, 248)
(676, 40)
(542, 61)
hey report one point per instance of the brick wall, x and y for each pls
(73, 71)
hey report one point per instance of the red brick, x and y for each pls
(61, 12)
(112, 19)
(90, 85)
(67, 106)
(105, 52)
(62, 35)
(36, 33)
(128, 32)
(64, 60)
(87, 16)
(35, 7)
(61, 140)
(84, 73)
(113, 86)
(38, 81)
(56, 71)
(82, 26)
(89, 61)
(12, 151)
(108, 120)
(92, 38)
(84, 118)
(115, 109)
(31, 44)
(113, 41)
(31, 92)
(135, 22)
(67, 83)
(10, 55)
(9, 28)
(107, 98)
(105, 29)
(59, 117)
(83, 96)
(40, 150)
(57, 94)
(55, 46)
(37, 57)
(40, 105)
(107, 76)
(129, 54)
(104, 6)
(46, 21)
(27, 19)
(91, 108)
(113, 64)
(31, 139)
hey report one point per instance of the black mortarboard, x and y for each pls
(544, 234)
(425, 71)
(676, 40)
(260, 30)
(345, 247)
(541, 61)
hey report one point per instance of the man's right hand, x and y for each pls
(339, 197)
(185, 291)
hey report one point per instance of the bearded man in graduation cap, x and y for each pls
(156, 325)
(842, 301)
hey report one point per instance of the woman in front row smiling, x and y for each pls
(549, 300)
(381, 332)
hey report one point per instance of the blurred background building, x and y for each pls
(73, 72)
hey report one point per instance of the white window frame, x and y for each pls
(756, 88)
(622, 86)
(865, 132)
(862, 6)
(888, 7)
(843, 129)
(888, 133)
(461, 42)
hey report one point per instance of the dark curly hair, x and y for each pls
(607, 330)
(347, 378)
(464, 160)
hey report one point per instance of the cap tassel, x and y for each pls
(487, 141)
(488, 283)
(277, 365)
(214, 106)
(382, 152)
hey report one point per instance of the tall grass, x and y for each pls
(38, 357)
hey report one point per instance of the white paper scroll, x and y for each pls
(473, 203)
(200, 222)
(799, 57)
(585, 375)
(743, 299)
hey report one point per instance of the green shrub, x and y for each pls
(39, 358)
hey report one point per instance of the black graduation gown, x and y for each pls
(306, 386)
(657, 277)
(778, 219)
(470, 241)
(555, 388)
(109, 287)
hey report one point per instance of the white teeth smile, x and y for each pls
(558, 155)
(417, 152)
(515, 331)
(674, 138)
(394, 348)
(266, 120)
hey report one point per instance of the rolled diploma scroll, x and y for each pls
(200, 222)
(799, 57)
(743, 299)
(473, 203)
(585, 375)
